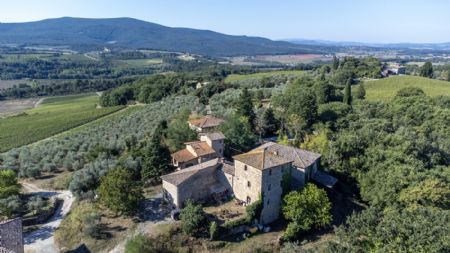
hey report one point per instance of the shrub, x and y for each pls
(35, 204)
(192, 218)
(410, 91)
(213, 229)
(91, 224)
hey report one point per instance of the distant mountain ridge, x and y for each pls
(134, 33)
(312, 42)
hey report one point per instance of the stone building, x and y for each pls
(11, 239)
(206, 124)
(210, 146)
(265, 172)
(198, 183)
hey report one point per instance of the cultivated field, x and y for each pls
(53, 116)
(385, 89)
(284, 59)
(237, 78)
(11, 107)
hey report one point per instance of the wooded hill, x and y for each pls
(83, 33)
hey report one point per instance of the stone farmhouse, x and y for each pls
(210, 146)
(206, 124)
(265, 171)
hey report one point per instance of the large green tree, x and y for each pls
(179, 132)
(119, 192)
(244, 107)
(427, 70)
(309, 208)
(239, 135)
(8, 183)
(156, 157)
(324, 92)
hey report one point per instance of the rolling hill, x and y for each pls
(385, 89)
(133, 33)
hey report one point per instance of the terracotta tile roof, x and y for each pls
(178, 177)
(183, 155)
(301, 158)
(262, 159)
(206, 122)
(214, 136)
(201, 148)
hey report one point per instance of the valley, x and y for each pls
(122, 135)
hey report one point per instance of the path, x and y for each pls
(42, 239)
(39, 102)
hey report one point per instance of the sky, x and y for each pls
(388, 21)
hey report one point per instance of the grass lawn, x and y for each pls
(236, 78)
(385, 89)
(53, 116)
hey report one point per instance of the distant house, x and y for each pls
(210, 146)
(393, 69)
(260, 172)
(205, 124)
(11, 238)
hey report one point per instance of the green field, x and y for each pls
(385, 89)
(141, 62)
(53, 116)
(237, 78)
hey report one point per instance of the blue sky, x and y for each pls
(341, 20)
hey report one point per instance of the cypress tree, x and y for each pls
(348, 92)
(361, 92)
(335, 62)
(244, 107)
(156, 160)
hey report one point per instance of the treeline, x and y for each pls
(57, 88)
(55, 68)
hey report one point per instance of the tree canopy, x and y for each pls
(119, 192)
(309, 208)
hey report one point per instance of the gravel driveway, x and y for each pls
(42, 239)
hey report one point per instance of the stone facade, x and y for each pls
(197, 183)
(255, 174)
(11, 239)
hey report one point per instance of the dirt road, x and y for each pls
(42, 239)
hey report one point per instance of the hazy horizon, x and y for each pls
(343, 21)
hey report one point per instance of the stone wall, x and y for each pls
(197, 187)
(170, 193)
(272, 190)
(11, 238)
(243, 175)
(225, 179)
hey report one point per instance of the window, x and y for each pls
(245, 167)
(268, 188)
(249, 184)
(268, 202)
(270, 172)
(249, 200)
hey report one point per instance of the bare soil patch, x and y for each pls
(12, 107)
